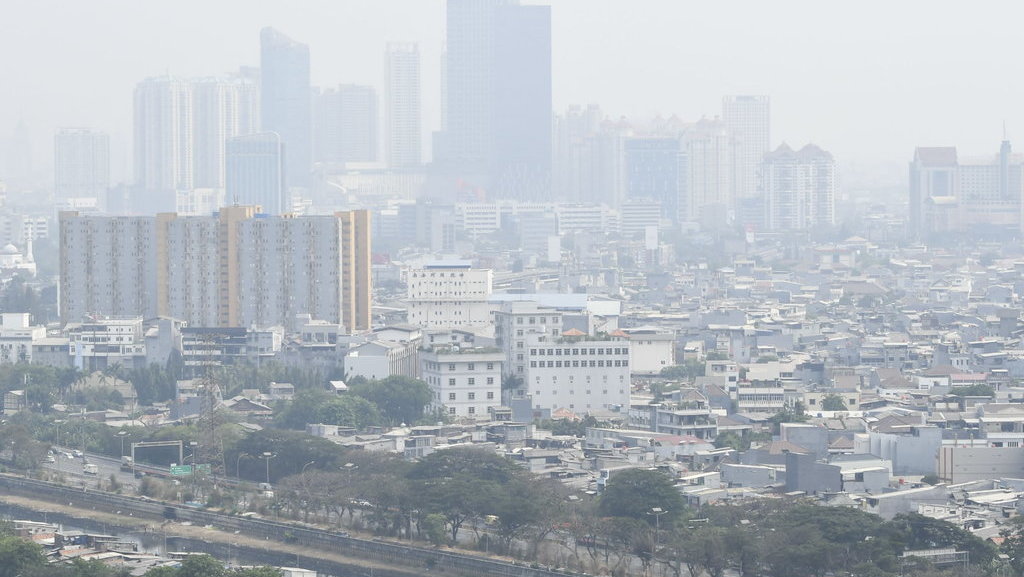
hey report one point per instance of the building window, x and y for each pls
(490, 366)
(490, 381)
(451, 367)
(472, 381)
(472, 396)
(451, 410)
(451, 396)
(490, 395)
(472, 410)
(471, 367)
(451, 382)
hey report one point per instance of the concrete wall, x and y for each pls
(804, 473)
(962, 464)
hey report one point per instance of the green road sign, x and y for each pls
(181, 470)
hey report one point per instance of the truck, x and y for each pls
(90, 469)
(127, 463)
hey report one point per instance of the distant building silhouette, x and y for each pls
(403, 117)
(256, 172)
(81, 162)
(285, 100)
(346, 124)
(800, 188)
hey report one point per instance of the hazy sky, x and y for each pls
(867, 80)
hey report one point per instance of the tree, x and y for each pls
(19, 557)
(636, 493)
(255, 572)
(833, 402)
(201, 566)
(400, 399)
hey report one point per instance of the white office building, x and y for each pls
(449, 295)
(17, 335)
(465, 382)
(402, 109)
(578, 372)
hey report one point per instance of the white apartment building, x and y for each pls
(514, 322)
(449, 295)
(651, 349)
(102, 342)
(17, 336)
(465, 382)
(578, 372)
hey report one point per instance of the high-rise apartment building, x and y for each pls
(163, 144)
(747, 118)
(81, 161)
(255, 172)
(236, 268)
(181, 129)
(402, 108)
(799, 187)
(222, 108)
(285, 100)
(498, 96)
(709, 167)
(346, 124)
(950, 195)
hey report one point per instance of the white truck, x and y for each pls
(90, 469)
(127, 464)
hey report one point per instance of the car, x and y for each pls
(76, 453)
(49, 459)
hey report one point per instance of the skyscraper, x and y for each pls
(709, 186)
(222, 108)
(163, 136)
(656, 169)
(255, 173)
(81, 161)
(800, 188)
(402, 108)
(346, 124)
(747, 118)
(498, 96)
(285, 100)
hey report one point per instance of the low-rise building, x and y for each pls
(465, 382)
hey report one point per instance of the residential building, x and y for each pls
(466, 382)
(81, 163)
(285, 101)
(651, 349)
(18, 337)
(346, 125)
(238, 268)
(747, 118)
(514, 322)
(222, 108)
(379, 359)
(105, 341)
(799, 187)
(403, 118)
(709, 199)
(657, 169)
(163, 144)
(576, 372)
(448, 295)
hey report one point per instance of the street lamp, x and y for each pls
(122, 433)
(657, 512)
(237, 461)
(267, 455)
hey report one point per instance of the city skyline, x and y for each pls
(685, 70)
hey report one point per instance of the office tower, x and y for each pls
(346, 124)
(402, 108)
(800, 188)
(498, 96)
(952, 195)
(255, 172)
(81, 162)
(285, 100)
(709, 185)
(747, 120)
(656, 169)
(163, 135)
(222, 108)
(107, 266)
(235, 268)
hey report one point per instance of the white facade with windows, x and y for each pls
(581, 374)
(448, 295)
(465, 382)
(17, 335)
(514, 322)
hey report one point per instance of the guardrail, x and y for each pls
(344, 544)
